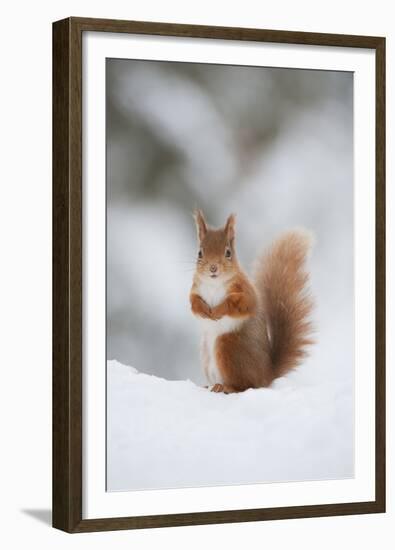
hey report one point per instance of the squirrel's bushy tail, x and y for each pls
(281, 280)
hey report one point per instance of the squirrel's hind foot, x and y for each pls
(224, 388)
(217, 388)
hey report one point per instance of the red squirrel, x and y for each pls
(254, 330)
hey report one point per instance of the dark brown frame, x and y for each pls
(67, 274)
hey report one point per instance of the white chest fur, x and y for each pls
(213, 293)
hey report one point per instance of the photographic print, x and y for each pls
(218, 274)
(229, 275)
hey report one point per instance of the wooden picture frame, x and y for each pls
(67, 274)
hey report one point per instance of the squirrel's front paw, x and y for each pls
(214, 317)
(216, 314)
(205, 314)
(217, 388)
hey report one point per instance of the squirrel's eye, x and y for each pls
(228, 253)
(200, 254)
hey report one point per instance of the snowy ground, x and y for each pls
(165, 433)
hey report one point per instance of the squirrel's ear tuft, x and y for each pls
(230, 227)
(201, 225)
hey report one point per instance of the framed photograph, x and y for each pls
(218, 274)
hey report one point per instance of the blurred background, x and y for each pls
(273, 145)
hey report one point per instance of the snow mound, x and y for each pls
(163, 434)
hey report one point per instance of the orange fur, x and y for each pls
(199, 306)
(281, 280)
(241, 299)
(275, 304)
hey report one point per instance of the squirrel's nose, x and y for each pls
(213, 268)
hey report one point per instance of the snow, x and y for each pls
(167, 434)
